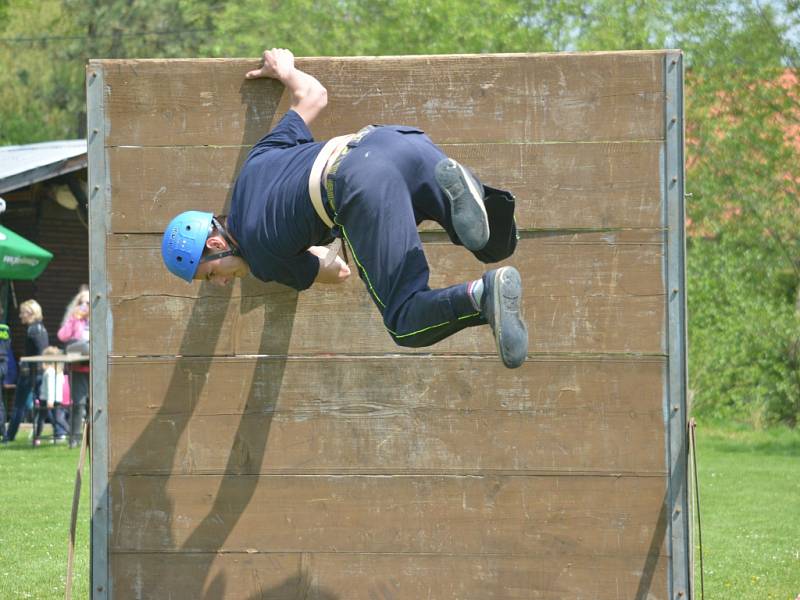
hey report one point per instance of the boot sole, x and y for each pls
(510, 331)
(466, 204)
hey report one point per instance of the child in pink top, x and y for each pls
(74, 333)
(75, 326)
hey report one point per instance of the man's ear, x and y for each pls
(216, 242)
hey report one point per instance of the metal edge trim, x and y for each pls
(98, 192)
(676, 409)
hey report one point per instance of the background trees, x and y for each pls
(742, 113)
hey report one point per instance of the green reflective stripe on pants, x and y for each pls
(360, 266)
(405, 335)
(370, 195)
(330, 193)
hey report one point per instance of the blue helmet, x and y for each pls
(184, 241)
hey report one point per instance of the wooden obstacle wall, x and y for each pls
(259, 443)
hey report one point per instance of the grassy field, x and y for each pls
(750, 512)
(36, 487)
(749, 492)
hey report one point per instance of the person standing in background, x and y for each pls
(30, 377)
(51, 399)
(5, 344)
(74, 333)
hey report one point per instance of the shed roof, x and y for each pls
(24, 165)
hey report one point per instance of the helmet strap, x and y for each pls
(217, 255)
(234, 248)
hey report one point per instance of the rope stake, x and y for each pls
(693, 442)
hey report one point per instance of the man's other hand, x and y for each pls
(335, 271)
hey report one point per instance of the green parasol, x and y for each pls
(19, 258)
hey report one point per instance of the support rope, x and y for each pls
(693, 442)
(76, 496)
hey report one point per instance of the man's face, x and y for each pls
(222, 271)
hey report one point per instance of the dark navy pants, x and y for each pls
(382, 188)
(2, 413)
(23, 401)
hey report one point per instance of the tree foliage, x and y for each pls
(743, 150)
(46, 44)
(743, 351)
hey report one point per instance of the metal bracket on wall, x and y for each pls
(101, 329)
(675, 410)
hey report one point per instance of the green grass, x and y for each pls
(750, 512)
(36, 487)
(749, 492)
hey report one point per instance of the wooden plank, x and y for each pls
(534, 516)
(410, 415)
(577, 186)
(545, 385)
(563, 263)
(419, 442)
(486, 98)
(284, 323)
(386, 576)
(583, 293)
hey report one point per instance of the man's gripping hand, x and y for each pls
(277, 63)
(309, 96)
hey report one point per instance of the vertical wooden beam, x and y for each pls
(99, 192)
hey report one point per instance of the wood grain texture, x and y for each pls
(509, 98)
(532, 516)
(560, 185)
(413, 415)
(563, 263)
(283, 323)
(386, 577)
(592, 292)
(545, 385)
(418, 442)
(264, 443)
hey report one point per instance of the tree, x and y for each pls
(742, 111)
(381, 27)
(48, 42)
(32, 106)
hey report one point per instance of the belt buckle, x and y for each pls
(360, 134)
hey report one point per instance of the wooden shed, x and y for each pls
(33, 178)
(259, 443)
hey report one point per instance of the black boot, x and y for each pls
(465, 193)
(500, 305)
